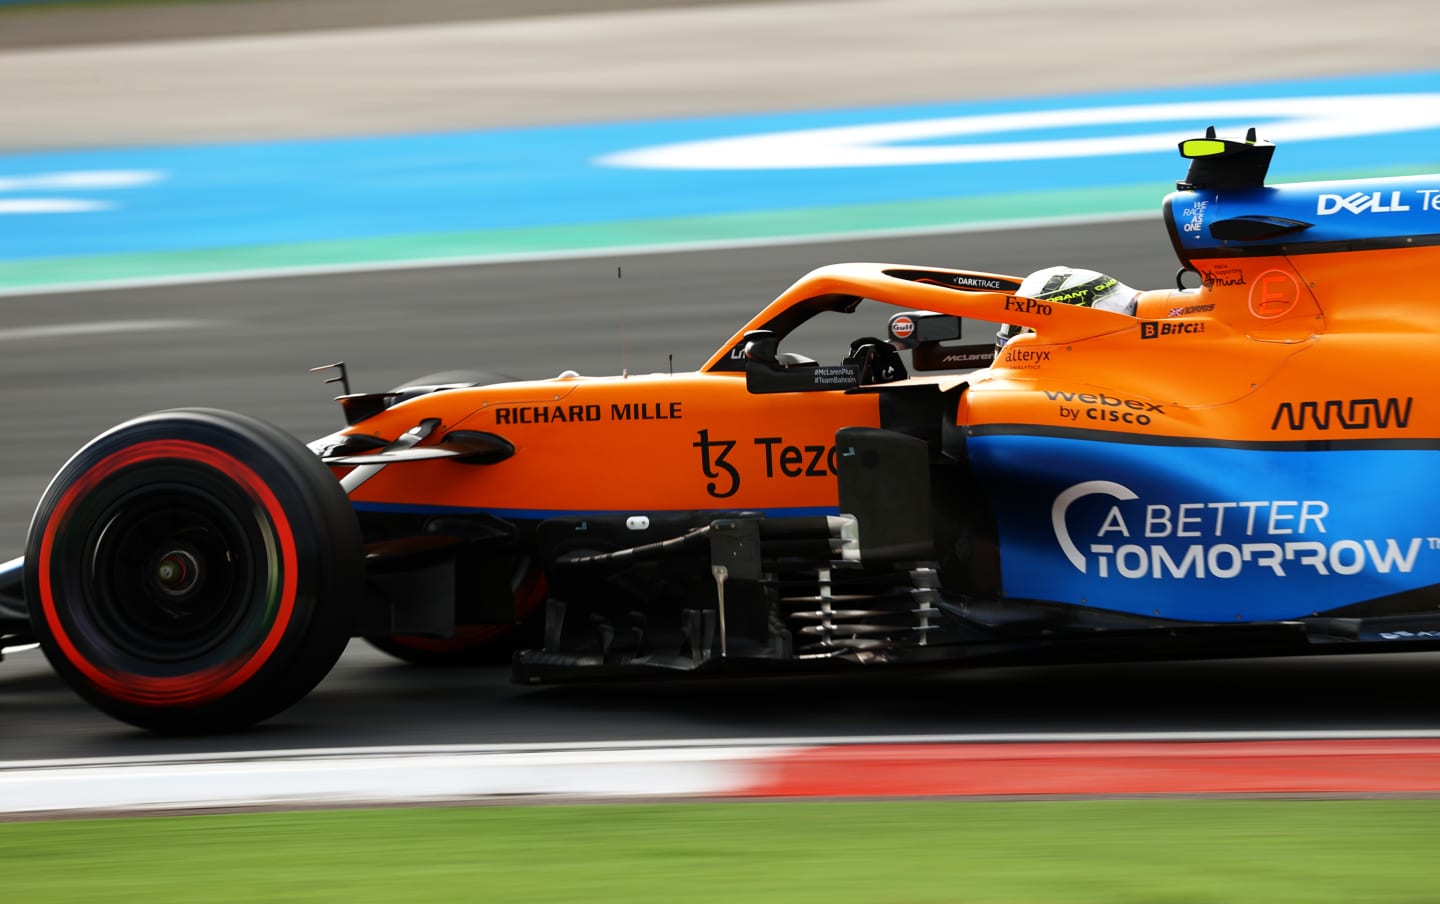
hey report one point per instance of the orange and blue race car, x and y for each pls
(1241, 465)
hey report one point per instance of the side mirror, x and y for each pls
(944, 341)
(762, 346)
(765, 372)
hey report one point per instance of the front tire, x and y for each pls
(192, 571)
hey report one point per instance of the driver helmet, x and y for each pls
(1085, 288)
(1072, 285)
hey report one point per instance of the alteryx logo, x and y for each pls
(1225, 539)
(1360, 202)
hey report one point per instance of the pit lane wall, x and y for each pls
(1184, 765)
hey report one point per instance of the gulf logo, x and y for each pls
(902, 327)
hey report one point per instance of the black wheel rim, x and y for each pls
(178, 569)
(167, 568)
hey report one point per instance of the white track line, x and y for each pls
(63, 330)
(1071, 737)
(174, 783)
(385, 775)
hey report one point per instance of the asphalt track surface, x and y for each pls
(250, 352)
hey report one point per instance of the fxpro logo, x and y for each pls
(1215, 539)
(1029, 306)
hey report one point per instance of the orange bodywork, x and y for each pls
(1239, 358)
(651, 442)
(1224, 361)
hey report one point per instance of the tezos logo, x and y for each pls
(1360, 202)
(1223, 539)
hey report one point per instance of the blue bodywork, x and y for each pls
(1303, 216)
(1208, 532)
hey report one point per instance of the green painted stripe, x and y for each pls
(939, 214)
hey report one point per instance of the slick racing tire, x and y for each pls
(471, 644)
(193, 571)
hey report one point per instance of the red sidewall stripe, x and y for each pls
(197, 687)
(1104, 769)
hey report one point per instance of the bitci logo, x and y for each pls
(1155, 329)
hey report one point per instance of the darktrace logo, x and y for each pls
(981, 282)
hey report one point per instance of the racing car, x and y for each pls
(1243, 465)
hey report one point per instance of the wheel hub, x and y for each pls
(176, 573)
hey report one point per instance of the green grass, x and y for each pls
(1115, 852)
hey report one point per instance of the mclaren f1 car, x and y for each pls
(1243, 464)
